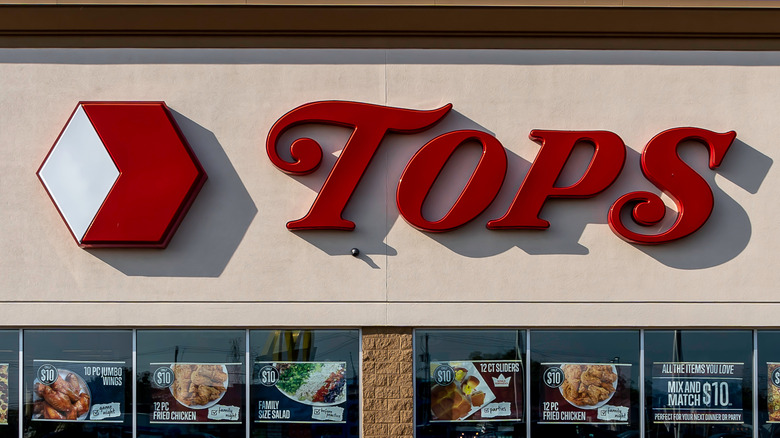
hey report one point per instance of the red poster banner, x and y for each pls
(585, 393)
(197, 393)
(477, 391)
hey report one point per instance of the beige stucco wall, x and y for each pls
(233, 262)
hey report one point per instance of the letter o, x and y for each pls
(426, 165)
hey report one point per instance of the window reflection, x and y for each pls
(470, 383)
(191, 383)
(698, 383)
(767, 384)
(9, 383)
(305, 383)
(584, 383)
(76, 383)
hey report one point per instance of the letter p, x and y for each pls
(539, 183)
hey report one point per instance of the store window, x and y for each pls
(76, 383)
(9, 383)
(191, 383)
(470, 383)
(768, 384)
(584, 383)
(698, 383)
(305, 383)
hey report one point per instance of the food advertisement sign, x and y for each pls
(773, 392)
(477, 391)
(83, 391)
(585, 393)
(3, 394)
(196, 393)
(300, 392)
(698, 392)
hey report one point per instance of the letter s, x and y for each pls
(662, 166)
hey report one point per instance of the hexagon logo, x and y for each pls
(121, 174)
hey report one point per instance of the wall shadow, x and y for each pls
(210, 232)
(727, 232)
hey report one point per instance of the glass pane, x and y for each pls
(75, 383)
(305, 383)
(9, 383)
(768, 384)
(470, 383)
(698, 383)
(191, 383)
(584, 383)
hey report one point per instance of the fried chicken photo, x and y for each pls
(588, 385)
(209, 375)
(65, 399)
(198, 385)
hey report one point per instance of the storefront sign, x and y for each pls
(300, 392)
(661, 165)
(196, 393)
(697, 392)
(477, 391)
(79, 391)
(121, 174)
(585, 393)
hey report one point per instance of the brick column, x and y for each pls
(388, 382)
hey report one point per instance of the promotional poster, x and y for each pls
(477, 391)
(585, 393)
(773, 392)
(3, 394)
(697, 392)
(91, 391)
(196, 393)
(300, 392)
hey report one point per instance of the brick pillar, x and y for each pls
(388, 383)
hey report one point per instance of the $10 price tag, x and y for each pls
(268, 375)
(47, 374)
(553, 377)
(776, 377)
(163, 377)
(443, 375)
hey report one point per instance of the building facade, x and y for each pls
(428, 219)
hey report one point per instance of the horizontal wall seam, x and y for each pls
(196, 302)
